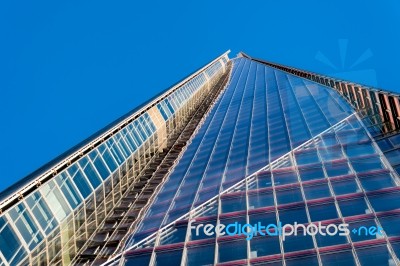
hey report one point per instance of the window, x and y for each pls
(345, 186)
(316, 191)
(232, 204)
(315, 172)
(232, 250)
(168, 257)
(292, 194)
(355, 206)
(338, 258)
(200, 255)
(322, 212)
(260, 199)
(337, 169)
(378, 255)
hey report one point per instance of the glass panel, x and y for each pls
(9, 242)
(292, 215)
(385, 202)
(200, 255)
(41, 212)
(264, 246)
(337, 169)
(100, 165)
(55, 200)
(375, 256)
(308, 260)
(25, 225)
(338, 258)
(80, 181)
(261, 199)
(91, 174)
(289, 195)
(359, 230)
(170, 257)
(323, 212)
(317, 191)
(229, 204)
(390, 225)
(352, 207)
(283, 178)
(299, 242)
(345, 186)
(142, 259)
(68, 189)
(377, 181)
(234, 250)
(307, 174)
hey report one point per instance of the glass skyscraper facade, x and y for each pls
(240, 141)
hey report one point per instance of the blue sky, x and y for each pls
(68, 68)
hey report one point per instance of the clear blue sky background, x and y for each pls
(68, 68)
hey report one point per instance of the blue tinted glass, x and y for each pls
(261, 115)
(92, 175)
(109, 160)
(100, 166)
(81, 183)
(42, 212)
(9, 243)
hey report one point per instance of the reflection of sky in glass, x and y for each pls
(263, 114)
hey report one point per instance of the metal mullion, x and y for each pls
(180, 95)
(365, 197)
(283, 111)
(3, 259)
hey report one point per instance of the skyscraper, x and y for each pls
(241, 141)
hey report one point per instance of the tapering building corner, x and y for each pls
(241, 142)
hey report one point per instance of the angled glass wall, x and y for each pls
(339, 176)
(263, 114)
